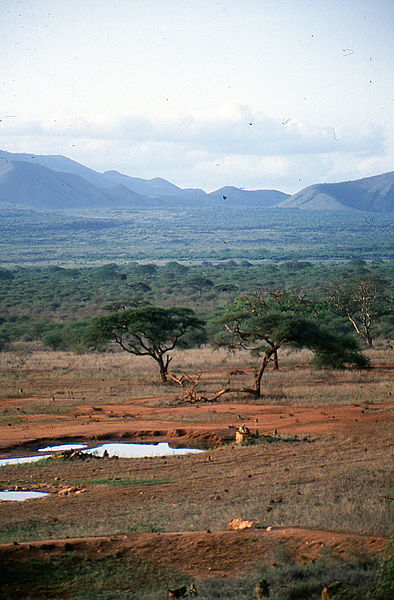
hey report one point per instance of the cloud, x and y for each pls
(231, 146)
(242, 131)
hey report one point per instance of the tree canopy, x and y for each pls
(362, 301)
(149, 331)
(263, 322)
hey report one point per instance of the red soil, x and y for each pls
(206, 554)
(147, 423)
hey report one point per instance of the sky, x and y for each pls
(252, 93)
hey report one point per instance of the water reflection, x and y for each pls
(139, 450)
(121, 450)
(62, 447)
(21, 460)
(14, 495)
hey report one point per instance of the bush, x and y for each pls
(4, 338)
(383, 587)
(66, 336)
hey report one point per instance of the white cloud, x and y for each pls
(241, 131)
(233, 145)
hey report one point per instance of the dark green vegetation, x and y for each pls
(192, 233)
(54, 305)
(263, 322)
(72, 576)
(362, 579)
(362, 302)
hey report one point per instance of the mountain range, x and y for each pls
(374, 194)
(57, 182)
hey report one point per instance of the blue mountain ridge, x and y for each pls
(57, 182)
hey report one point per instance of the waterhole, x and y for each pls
(23, 495)
(121, 450)
(62, 447)
(140, 450)
(22, 459)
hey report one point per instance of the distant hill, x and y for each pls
(60, 163)
(233, 195)
(57, 182)
(156, 187)
(24, 184)
(72, 185)
(373, 194)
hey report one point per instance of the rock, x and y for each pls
(68, 490)
(238, 524)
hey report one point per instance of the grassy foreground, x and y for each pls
(76, 577)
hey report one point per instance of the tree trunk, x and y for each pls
(243, 390)
(258, 376)
(368, 337)
(256, 389)
(163, 366)
(276, 361)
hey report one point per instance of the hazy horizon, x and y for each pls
(259, 94)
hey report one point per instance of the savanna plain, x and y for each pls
(315, 479)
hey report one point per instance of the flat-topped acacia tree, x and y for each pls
(263, 322)
(362, 301)
(149, 331)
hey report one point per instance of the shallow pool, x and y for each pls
(122, 450)
(140, 450)
(63, 447)
(21, 460)
(23, 495)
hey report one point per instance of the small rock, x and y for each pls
(239, 524)
(68, 490)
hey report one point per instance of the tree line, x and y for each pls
(330, 318)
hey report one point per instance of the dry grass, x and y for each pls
(337, 482)
(119, 377)
(332, 484)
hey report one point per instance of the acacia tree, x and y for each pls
(263, 322)
(198, 283)
(362, 302)
(149, 331)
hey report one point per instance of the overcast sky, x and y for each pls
(252, 93)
